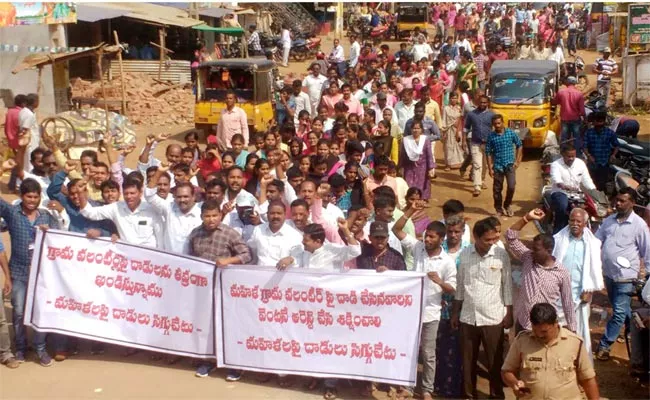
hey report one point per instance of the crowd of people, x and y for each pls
(341, 179)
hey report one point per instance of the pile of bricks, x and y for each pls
(149, 101)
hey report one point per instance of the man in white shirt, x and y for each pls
(405, 108)
(275, 240)
(309, 192)
(234, 182)
(337, 57)
(355, 50)
(316, 253)
(180, 217)
(464, 43)
(382, 104)
(302, 101)
(28, 126)
(568, 174)
(286, 45)
(421, 49)
(137, 221)
(430, 258)
(557, 55)
(314, 84)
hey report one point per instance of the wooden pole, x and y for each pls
(161, 36)
(122, 80)
(39, 84)
(100, 56)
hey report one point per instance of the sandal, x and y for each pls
(509, 212)
(330, 394)
(476, 193)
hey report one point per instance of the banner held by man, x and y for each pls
(122, 294)
(355, 324)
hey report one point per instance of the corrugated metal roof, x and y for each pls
(153, 13)
(42, 59)
(95, 12)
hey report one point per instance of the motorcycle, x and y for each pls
(573, 68)
(595, 203)
(639, 181)
(632, 151)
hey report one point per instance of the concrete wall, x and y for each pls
(25, 82)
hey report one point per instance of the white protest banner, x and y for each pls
(354, 324)
(123, 294)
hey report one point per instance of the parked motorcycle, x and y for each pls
(638, 180)
(595, 203)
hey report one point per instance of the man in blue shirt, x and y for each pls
(23, 220)
(626, 240)
(479, 122)
(502, 163)
(601, 145)
(72, 203)
(77, 195)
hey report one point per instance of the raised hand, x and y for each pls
(162, 137)
(151, 139)
(69, 167)
(163, 167)
(343, 224)
(266, 180)
(535, 215)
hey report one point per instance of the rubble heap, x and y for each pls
(149, 101)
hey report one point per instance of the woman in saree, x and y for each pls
(451, 130)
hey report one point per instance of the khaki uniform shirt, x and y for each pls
(550, 371)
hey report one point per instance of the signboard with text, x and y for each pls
(638, 24)
(353, 324)
(122, 294)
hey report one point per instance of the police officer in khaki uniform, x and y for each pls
(550, 361)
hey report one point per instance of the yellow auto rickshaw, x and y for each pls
(250, 79)
(521, 91)
(411, 15)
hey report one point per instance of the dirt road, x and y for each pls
(113, 377)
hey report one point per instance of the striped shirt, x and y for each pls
(608, 65)
(540, 284)
(484, 285)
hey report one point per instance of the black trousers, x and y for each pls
(471, 337)
(509, 175)
(599, 174)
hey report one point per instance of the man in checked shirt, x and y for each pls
(543, 278)
(503, 163)
(217, 242)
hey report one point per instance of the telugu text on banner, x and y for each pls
(354, 324)
(123, 294)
